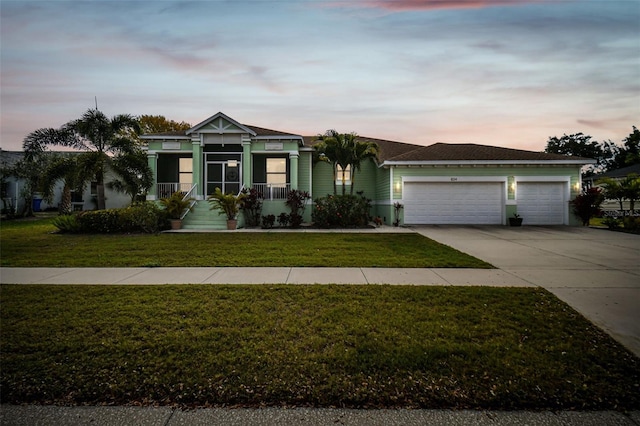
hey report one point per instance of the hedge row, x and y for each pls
(145, 217)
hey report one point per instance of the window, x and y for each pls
(185, 173)
(277, 172)
(343, 173)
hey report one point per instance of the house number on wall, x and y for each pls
(454, 179)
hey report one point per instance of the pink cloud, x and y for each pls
(406, 5)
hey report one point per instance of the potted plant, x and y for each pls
(175, 206)
(516, 220)
(227, 204)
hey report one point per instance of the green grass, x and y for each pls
(34, 244)
(353, 346)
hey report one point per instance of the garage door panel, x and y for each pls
(453, 203)
(542, 203)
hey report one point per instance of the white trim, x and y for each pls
(173, 151)
(565, 180)
(281, 153)
(151, 136)
(454, 179)
(277, 137)
(391, 183)
(244, 129)
(517, 179)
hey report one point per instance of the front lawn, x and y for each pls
(33, 244)
(324, 346)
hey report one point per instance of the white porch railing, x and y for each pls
(193, 202)
(272, 191)
(166, 189)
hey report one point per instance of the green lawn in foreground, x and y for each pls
(354, 346)
(33, 244)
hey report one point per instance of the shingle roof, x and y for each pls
(261, 131)
(474, 152)
(620, 173)
(388, 149)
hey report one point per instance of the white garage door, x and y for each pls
(453, 203)
(541, 203)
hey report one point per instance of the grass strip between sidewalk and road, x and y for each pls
(33, 244)
(308, 345)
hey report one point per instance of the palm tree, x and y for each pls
(344, 150)
(99, 137)
(69, 168)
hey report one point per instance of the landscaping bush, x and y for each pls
(283, 220)
(341, 211)
(611, 222)
(251, 206)
(67, 223)
(144, 217)
(631, 224)
(268, 221)
(296, 201)
(587, 205)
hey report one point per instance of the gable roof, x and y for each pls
(255, 131)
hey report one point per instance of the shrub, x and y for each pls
(251, 206)
(144, 217)
(587, 204)
(631, 224)
(611, 222)
(99, 221)
(67, 223)
(341, 211)
(283, 220)
(268, 221)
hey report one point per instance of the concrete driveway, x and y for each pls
(595, 271)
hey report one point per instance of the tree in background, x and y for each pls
(159, 124)
(581, 145)
(629, 153)
(99, 138)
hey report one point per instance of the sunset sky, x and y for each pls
(499, 72)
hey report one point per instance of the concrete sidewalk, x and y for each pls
(261, 275)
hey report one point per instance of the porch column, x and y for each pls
(152, 193)
(246, 162)
(293, 169)
(196, 153)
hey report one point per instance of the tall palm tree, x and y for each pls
(344, 150)
(99, 137)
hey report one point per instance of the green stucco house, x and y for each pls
(436, 184)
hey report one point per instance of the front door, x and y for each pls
(224, 175)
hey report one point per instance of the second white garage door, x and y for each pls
(542, 203)
(458, 203)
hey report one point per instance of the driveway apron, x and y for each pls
(595, 271)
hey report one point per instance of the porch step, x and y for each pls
(201, 217)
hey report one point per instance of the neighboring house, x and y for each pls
(437, 184)
(609, 206)
(12, 191)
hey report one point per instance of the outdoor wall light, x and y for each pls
(397, 186)
(577, 186)
(512, 187)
